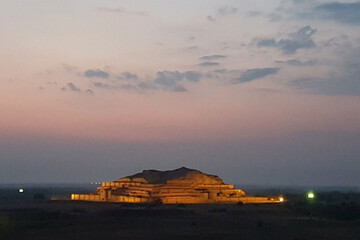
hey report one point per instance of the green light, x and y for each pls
(311, 195)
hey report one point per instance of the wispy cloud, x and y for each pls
(127, 76)
(328, 86)
(210, 18)
(344, 80)
(69, 68)
(73, 87)
(253, 74)
(298, 63)
(209, 64)
(338, 11)
(212, 57)
(146, 86)
(170, 80)
(191, 48)
(119, 10)
(104, 85)
(192, 76)
(227, 10)
(96, 74)
(112, 10)
(164, 80)
(89, 91)
(297, 40)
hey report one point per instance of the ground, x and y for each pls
(25, 218)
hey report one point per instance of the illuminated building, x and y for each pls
(181, 185)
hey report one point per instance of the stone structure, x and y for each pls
(181, 185)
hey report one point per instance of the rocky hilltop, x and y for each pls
(183, 173)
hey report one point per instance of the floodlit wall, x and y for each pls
(251, 199)
(140, 192)
(86, 197)
(129, 199)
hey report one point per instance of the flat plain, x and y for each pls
(40, 218)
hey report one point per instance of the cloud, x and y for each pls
(209, 64)
(164, 80)
(192, 48)
(129, 87)
(223, 74)
(344, 80)
(224, 70)
(104, 85)
(170, 80)
(342, 12)
(297, 40)
(69, 68)
(298, 63)
(127, 76)
(212, 57)
(73, 87)
(179, 88)
(338, 11)
(267, 42)
(299, 1)
(292, 10)
(253, 74)
(115, 86)
(112, 10)
(328, 86)
(145, 86)
(253, 13)
(96, 74)
(227, 11)
(192, 76)
(210, 18)
(119, 10)
(89, 91)
(336, 41)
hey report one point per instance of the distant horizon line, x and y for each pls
(246, 185)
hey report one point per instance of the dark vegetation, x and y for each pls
(31, 215)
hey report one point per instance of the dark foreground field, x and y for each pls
(43, 219)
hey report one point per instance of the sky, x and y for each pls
(257, 92)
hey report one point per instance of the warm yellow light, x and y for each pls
(281, 199)
(21, 190)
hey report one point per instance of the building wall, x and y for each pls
(176, 192)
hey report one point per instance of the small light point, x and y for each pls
(21, 190)
(311, 195)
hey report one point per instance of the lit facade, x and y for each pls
(181, 185)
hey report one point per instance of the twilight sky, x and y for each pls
(257, 92)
